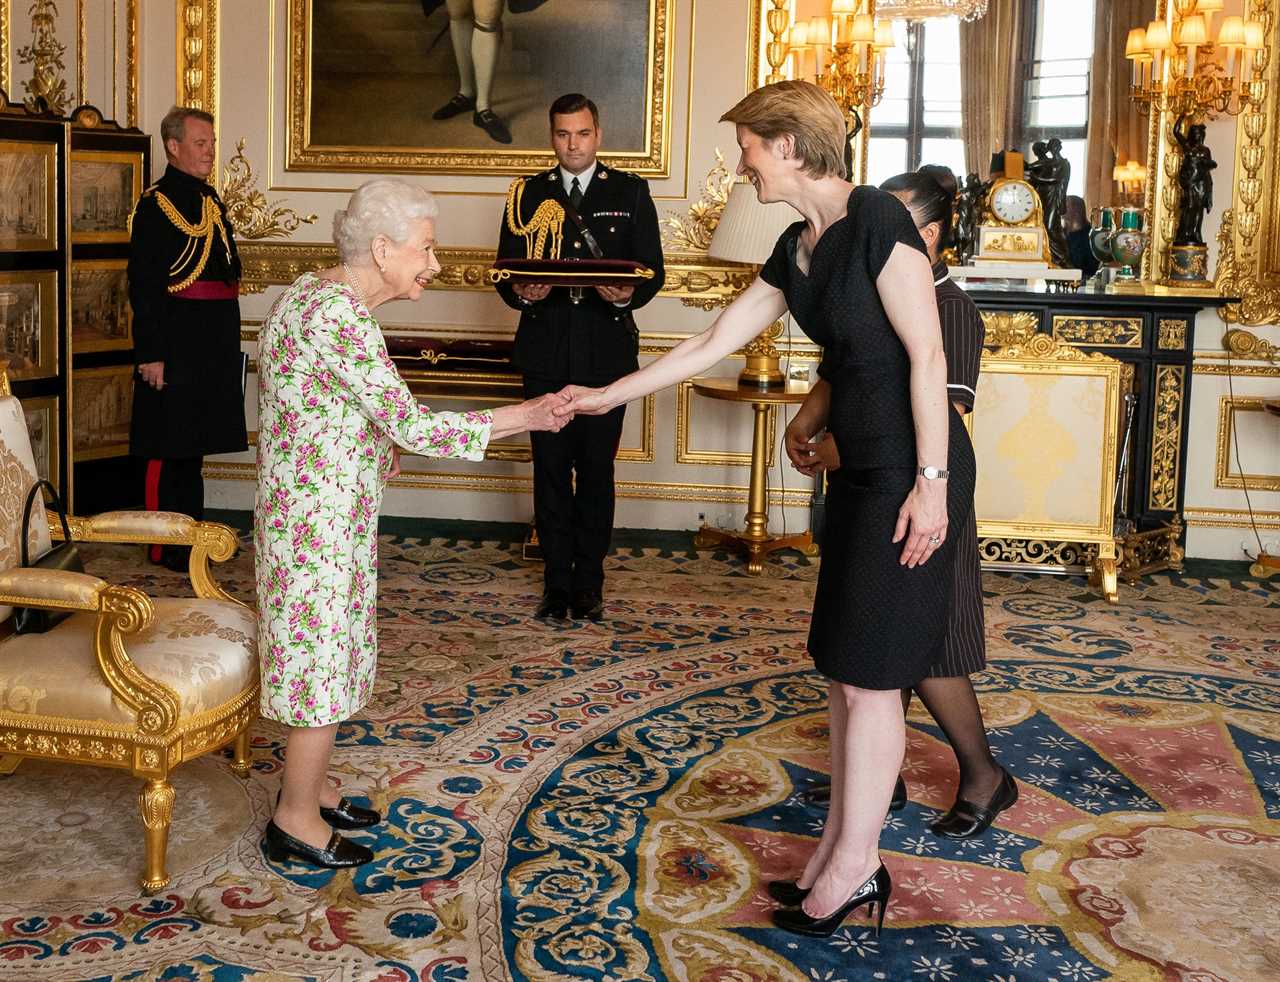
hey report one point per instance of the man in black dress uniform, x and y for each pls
(184, 276)
(580, 336)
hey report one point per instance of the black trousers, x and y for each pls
(174, 485)
(573, 494)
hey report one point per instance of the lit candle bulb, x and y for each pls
(1231, 39)
(862, 33)
(1135, 48)
(1191, 35)
(1157, 42)
(1255, 40)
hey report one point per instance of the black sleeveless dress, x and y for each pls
(876, 624)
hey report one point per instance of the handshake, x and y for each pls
(551, 412)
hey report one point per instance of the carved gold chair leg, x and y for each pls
(241, 756)
(8, 764)
(156, 803)
(1103, 576)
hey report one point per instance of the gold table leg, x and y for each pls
(756, 541)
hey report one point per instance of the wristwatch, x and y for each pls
(930, 473)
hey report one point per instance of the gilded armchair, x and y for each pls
(126, 681)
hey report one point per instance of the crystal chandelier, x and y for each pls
(922, 9)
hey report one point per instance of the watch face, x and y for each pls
(1013, 202)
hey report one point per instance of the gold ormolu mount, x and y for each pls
(763, 369)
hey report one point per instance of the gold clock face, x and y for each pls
(1012, 202)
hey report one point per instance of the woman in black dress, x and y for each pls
(855, 275)
(986, 789)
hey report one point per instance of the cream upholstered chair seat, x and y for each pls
(125, 681)
(195, 647)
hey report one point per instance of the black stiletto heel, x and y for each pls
(875, 891)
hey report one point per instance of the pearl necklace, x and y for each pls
(354, 284)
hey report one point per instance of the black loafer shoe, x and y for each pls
(492, 125)
(786, 892)
(588, 606)
(821, 795)
(349, 817)
(966, 820)
(456, 106)
(340, 853)
(554, 606)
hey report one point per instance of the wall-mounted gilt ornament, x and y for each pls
(252, 215)
(693, 232)
(46, 89)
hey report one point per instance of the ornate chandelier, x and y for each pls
(922, 9)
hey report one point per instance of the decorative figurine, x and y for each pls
(968, 213)
(1049, 174)
(1195, 181)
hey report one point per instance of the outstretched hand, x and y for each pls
(583, 401)
(548, 412)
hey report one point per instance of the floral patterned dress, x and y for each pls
(330, 406)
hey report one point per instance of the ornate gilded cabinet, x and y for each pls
(1153, 333)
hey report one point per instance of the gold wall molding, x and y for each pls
(131, 64)
(1171, 335)
(46, 89)
(1230, 518)
(1249, 254)
(1161, 198)
(197, 22)
(513, 484)
(1099, 332)
(1004, 328)
(252, 215)
(1223, 477)
(689, 277)
(302, 155)
(1235, 368)
(692, 232)
(5, 11)
(1246, 344)
(1166, 432)
(685, 454)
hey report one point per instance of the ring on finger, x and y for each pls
(935, 540)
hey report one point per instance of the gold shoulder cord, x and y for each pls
(199, 237)
(548, 218)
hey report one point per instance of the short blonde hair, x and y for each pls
(384, 206)
(803, 110)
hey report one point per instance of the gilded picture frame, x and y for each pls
(339, 112)
(104, 187)
(29, 214)
(101, 317)
(101, 408)
(29, 322)
(41, 413)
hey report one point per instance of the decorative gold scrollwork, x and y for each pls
(1171, 335)
(1146, 552)
(1166, 437)
(252, 215)
(1009, 327)
(1246, 344)
(693, 232)
(1071, 556)
(1103, 332)
(46, 89)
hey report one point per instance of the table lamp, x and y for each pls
(747, 233)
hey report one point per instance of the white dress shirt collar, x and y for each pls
(584, 179)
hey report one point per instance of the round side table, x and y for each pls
(755, 540)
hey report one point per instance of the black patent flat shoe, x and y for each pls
(554, 606)
(786, 892)
(874, 893)
(340, 853)
(588, 606)
(821, 795)
(349, 817)
(966, 820)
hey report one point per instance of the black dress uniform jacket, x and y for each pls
(200, 410)
(592, 342)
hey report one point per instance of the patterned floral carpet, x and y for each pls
(607, 801)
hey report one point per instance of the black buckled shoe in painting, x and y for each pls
(874, 892)
(492, 125)
(966, 820)
(456, 106)
(349, 817)
(340, 853)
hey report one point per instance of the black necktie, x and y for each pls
(575, 194)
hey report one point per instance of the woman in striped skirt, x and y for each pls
(986, 788)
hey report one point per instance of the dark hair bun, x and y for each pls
(944, 176)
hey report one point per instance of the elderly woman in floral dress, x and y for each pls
(333, 413)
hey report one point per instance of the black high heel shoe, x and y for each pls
(346, 816)
(787, 892)
(874, 892)
(966, 820)
(340, 853)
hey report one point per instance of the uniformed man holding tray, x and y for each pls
(579, 212)
(184, 286)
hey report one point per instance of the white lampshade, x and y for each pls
(1193, 31)
(748, 230)
(1231, 33)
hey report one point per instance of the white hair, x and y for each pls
(384, 206)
